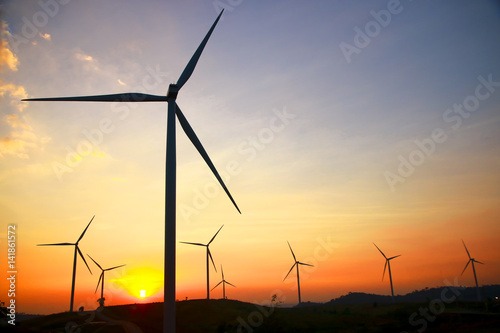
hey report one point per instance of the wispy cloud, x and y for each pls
(84, 57)
(21, 137)
(14, 93)
(89, 63)
(45, 36)
(7, 57)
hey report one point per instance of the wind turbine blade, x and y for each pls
(215, 235)
(210, 255)
(83, 233)
(466, 249)
(108, 269)
(385, 266)
(230, 284)
(100, 277)
(478, 262)
(465, 267)
(186, 74)
(291, 250)
(380, 250)
(81, 256)
(56, 244)
(222, 272)
(95, 262)
(125, 97)
(196, 142)
(199, 244)
(301, 263)
(216, 286)
(394, 257)
(289, 271)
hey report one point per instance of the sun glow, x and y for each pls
(137, 280)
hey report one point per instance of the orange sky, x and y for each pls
(349, 267)
(303, 136)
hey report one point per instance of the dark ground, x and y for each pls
(234, 316)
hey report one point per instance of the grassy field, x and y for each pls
(234, 316)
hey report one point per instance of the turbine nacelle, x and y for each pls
(173, 90)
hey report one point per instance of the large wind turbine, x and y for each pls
(296, 264)
(170, 178)
(101, 278)
(77, 250)
(472, 261)
(208, 255)
(223, 284)
(387, 265)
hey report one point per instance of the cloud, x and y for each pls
(14, 121)
(7, 58)
(45, 36)
(22, 137)
(9, 146)
(89, 63)
(84, 57)
(14, 93)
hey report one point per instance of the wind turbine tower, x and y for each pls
(472, 261)
(223, 284)
(296, 264)
(101, 280)
(388, 265)
(173, 110)
(209, 255)
(77, 250)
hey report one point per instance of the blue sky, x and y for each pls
(307, 135)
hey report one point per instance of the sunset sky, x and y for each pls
(334, 124)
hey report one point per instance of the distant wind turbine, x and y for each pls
(170, 178)
(223, 284)
(296, 264)
(208, 255)
(472, 261)
(101, 278)
(77, 250)
(387, 265)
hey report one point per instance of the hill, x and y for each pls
(457, 293)
(435, 314)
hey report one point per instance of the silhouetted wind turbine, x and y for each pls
(223, 284)
(170, 178)
(208, 255)
(101, 278)
(296, 264)
(77, 250)
(472, 261)
(387, 264)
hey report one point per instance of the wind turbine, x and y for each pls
(296, 264)
(472, 261)
(173, 110)
(387, 265)
(208, 255)
(77, 250)
(101, 277)
(223, 284)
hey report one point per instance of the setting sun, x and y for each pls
(136, 281)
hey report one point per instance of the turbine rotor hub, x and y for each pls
(173, 90)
